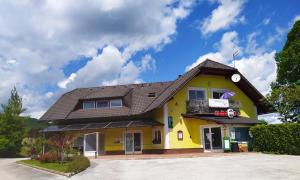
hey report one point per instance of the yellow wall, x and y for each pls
(113, 135)
(190, 126)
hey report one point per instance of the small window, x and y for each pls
(196, 95)
(88, 105)
(218, 93)
(116, 103)
(103, 104)
(152, 94)
(156, 136)
(179, 135)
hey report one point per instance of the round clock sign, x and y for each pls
(235, 77)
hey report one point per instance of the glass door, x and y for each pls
(216, 138)
(90, 144)
(129, 143)
(133, 143)
(212, 138)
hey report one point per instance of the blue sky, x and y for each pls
(48, 47)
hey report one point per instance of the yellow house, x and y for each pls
(197, 112)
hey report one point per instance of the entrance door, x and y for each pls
(133, 142)
(212, 138)
(90, 144)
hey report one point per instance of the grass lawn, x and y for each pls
(53, 166)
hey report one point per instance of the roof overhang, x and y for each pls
(101, 125)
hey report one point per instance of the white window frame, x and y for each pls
(115, 106)
(153, 135)
(196, 89)
(96, 105)
(88, 102)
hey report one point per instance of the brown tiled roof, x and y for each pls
(135, 96)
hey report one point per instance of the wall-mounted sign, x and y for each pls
(230, 113)
(218, 103)
(170, 122)
(179, 135)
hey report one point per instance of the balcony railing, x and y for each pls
(202, 107)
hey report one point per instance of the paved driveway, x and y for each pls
(235, 166)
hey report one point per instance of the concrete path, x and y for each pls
(235, 166)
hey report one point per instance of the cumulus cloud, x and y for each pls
(226, 47)
(258, 66)
(38, 38)
(226, 14)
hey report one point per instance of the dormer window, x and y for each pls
(88, 105)
(103, 104)
(152, 94)
(116, 103)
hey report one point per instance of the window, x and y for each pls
(116, 103)
(217, 93)
(240, 134)
(88, 104)
(196, 94)
(152, 94)
(103, 104)
(156, 136)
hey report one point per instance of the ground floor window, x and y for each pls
(156, 136)
(240, 134)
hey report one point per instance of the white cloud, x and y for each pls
(296, 18)
(38, 38)
(266, 21)
(226, 47)
(225, 15)
(259, 69)
(258, 66)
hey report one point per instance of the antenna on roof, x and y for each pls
(234, 55)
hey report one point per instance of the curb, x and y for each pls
(45, 169)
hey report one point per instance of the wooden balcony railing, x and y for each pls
(202, 107)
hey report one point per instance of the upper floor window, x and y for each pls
(88, 105)
(196, 94)
(103, 104)
(217, 93)
(116, 103)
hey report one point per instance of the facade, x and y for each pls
(189, 114)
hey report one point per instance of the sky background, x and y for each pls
(50, 47)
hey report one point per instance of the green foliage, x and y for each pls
(33, 147)
(278, 138)
(78, 164)
(288, 60)
(14, 105)
(53, 166)
(12, 128)
(285, 94)
(286, 100)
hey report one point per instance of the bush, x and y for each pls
(78, 164)
(48, 158)
(277, 138)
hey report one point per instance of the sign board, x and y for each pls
(218, 103)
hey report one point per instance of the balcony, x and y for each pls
(207, 107)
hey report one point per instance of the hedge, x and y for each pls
(277, 138)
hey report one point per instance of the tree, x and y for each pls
(285, 95)
(12, 128)
(62, 142)
(14, 105)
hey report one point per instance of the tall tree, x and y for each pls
(285, 95)
(14, 104)
(12, 127)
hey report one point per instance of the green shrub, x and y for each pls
(78, 164)
(277, 138)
